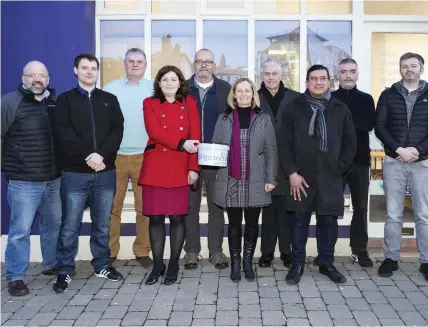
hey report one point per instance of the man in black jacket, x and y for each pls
(28, 160)
(211, 95)
(276, 218)
(316, 145)
(402, 127)
(89, 127)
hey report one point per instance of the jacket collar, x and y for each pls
(84, 92)
(193, 86)
(162, 100)
(229, 110)
(48, 94)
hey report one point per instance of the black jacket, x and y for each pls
(392, 128)
(299, 152)
(289, 95)
(28, 144)
(85, 125)
(363, 115)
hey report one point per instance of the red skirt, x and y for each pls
(165, 201)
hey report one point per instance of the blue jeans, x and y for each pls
(327, 237)
(76, 190)
(26, 199)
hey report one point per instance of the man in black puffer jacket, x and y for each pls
(28, 160)
(402, 126)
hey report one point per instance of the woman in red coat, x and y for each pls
(170, 166)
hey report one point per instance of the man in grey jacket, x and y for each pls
(276, 218)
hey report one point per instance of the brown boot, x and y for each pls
(18, 288)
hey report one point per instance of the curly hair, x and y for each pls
(182, 91)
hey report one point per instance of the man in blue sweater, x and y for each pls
(131, 91)
(211, 94)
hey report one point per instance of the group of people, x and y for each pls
(290, 154)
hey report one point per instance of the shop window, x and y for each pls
(387, 7)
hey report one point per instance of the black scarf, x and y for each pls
(274, 101)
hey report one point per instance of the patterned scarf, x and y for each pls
(318, 125)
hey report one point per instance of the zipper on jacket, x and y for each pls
(51, 139)
(94, 137)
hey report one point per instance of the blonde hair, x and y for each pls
(231, 100)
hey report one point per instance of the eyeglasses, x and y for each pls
(316, 79)
(206, 62)
(36, 75)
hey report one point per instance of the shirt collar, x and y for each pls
(125, 79)
(84, 92)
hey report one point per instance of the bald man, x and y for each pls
(34, 179)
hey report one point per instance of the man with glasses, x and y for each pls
(28, 160)
(211, 94)
(131, 91)
(316, 144)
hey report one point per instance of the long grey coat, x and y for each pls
(262, 154)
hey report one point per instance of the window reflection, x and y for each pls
(173, 43)
(329, 43)
(279, 40)
(229, 42)
(118, 36)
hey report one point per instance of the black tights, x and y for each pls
(251, 216)
(157, 241)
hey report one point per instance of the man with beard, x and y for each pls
(402, 127)
(276, 218)
(211, 95)
(28, 160)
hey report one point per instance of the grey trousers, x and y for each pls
(396, 176)
(215, 217)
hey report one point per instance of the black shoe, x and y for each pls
(49, 272)
(362, 258)
(294, 274)
(265, 260)
(331, 272)
(424, 270)
(146, 262)
(191, 260)
(17, 288)
(61, 284)
(387, 267)
(153, 278)
(317, 261)
(110, 273)
(171, 279)
(286, 259)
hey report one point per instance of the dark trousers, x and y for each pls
(276, 224)
(215, 217)
(327, 237)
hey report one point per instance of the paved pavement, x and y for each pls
(207, 297)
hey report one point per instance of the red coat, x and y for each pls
(167, 124)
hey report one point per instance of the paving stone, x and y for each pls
(358, 275)
(37, 284)
(409, 269)
(284, 287)
(110, 284)
(268, 292)
(399, 276)
(249, 311)
(89, 289)
(227, 292)
(366, 285)
(77, 284)
(180, 319)
(62, 322)
(5, 316)
(206, 298)
(351, 266)
(80, 300)
(88, 319)
(160, 312)
(290, 297)
(401, 304)
(297, 322)
(412, 318)
(350, 291)
(105, 294)
(375, 297)
(327, 286)
(203, 322)
(227, 304)
(245, 286)
(306, 291)
(109, 322)
(319, 318)
(135, 319)
(273, 318)
(14, 323)
(250, 322)
(294, 311)
(204, 311)
(56, 305)
(98, 305)
(25, 313)
(357, 304)
(266, 281)
(42, 319)
(391, 322)
(339, 311)
(385, 281)
(416, 297)
(248, 298)
(134, 279)
(70, 312)
(307, 281)
(314, 303)
(186, 304)
(333, 298)
(391, 291)
(162, 300)
(115, 312)
(384, 311)
(140, 305)
(128, 289)
(153, 323)
(12, 305)
(407, 286)
(226, 318)
(366, 318)
(268, 304)
(123, 299)
(344, 322)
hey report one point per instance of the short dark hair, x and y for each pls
(182, 91)
(86, 56)
(409, 55)
(317, 67)
(348, 61)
